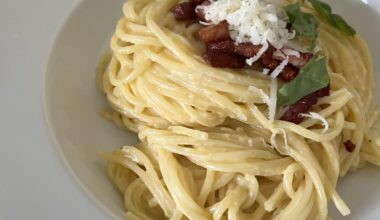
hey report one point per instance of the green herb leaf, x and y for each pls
(312, 77)
(333, 19)
(304, 24)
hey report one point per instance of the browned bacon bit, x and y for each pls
(229, 46)
(293, 114)
(200, 12)
(223, 60)
(216, 32)
(267, 60)
(288, 73)
(184, 11)
(289, 27)
(225, 46)
(300, 61)
(324, 91)
(197, 2)
(247, 49)
(296, 61)
(350, 147)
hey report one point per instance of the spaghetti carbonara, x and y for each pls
(227, 140)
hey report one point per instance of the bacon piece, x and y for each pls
(197, 2)
(293, 114)
(223, 60)
(247, 49)
(324, 91)
(225, 46)
(288, 73)
(289, 27)
(300, 61)
(350, 147)
(216, 32)
(267, 60)
(200, 12)
(184, 11)
(296, 61)
(270, 61)
(229, 46)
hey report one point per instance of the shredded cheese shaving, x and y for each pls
(273, 99)
(290, 52)
(266, 71)
(280, 68)
(259, 54)
(283, 150)
(316, 116)
(279, 54)
(251, 21)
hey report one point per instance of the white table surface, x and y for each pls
(36, 185)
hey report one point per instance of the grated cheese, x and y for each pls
(259, 54)
(266, 71)
(316, 116)
(279, 54)
(290, 52)
(251, 21)
(280, 68)
(273, 99)
(285, 150)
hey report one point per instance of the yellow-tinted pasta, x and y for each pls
(208, 150)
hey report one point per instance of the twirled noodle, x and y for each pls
(207, 149)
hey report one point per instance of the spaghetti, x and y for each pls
(208, 149)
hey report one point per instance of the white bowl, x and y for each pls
(73, 102)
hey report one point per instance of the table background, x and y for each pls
(36, 185)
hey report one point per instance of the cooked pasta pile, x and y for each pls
(208, 149)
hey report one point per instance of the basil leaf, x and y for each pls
(312, 77)
(304, 24)
(333, 19)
